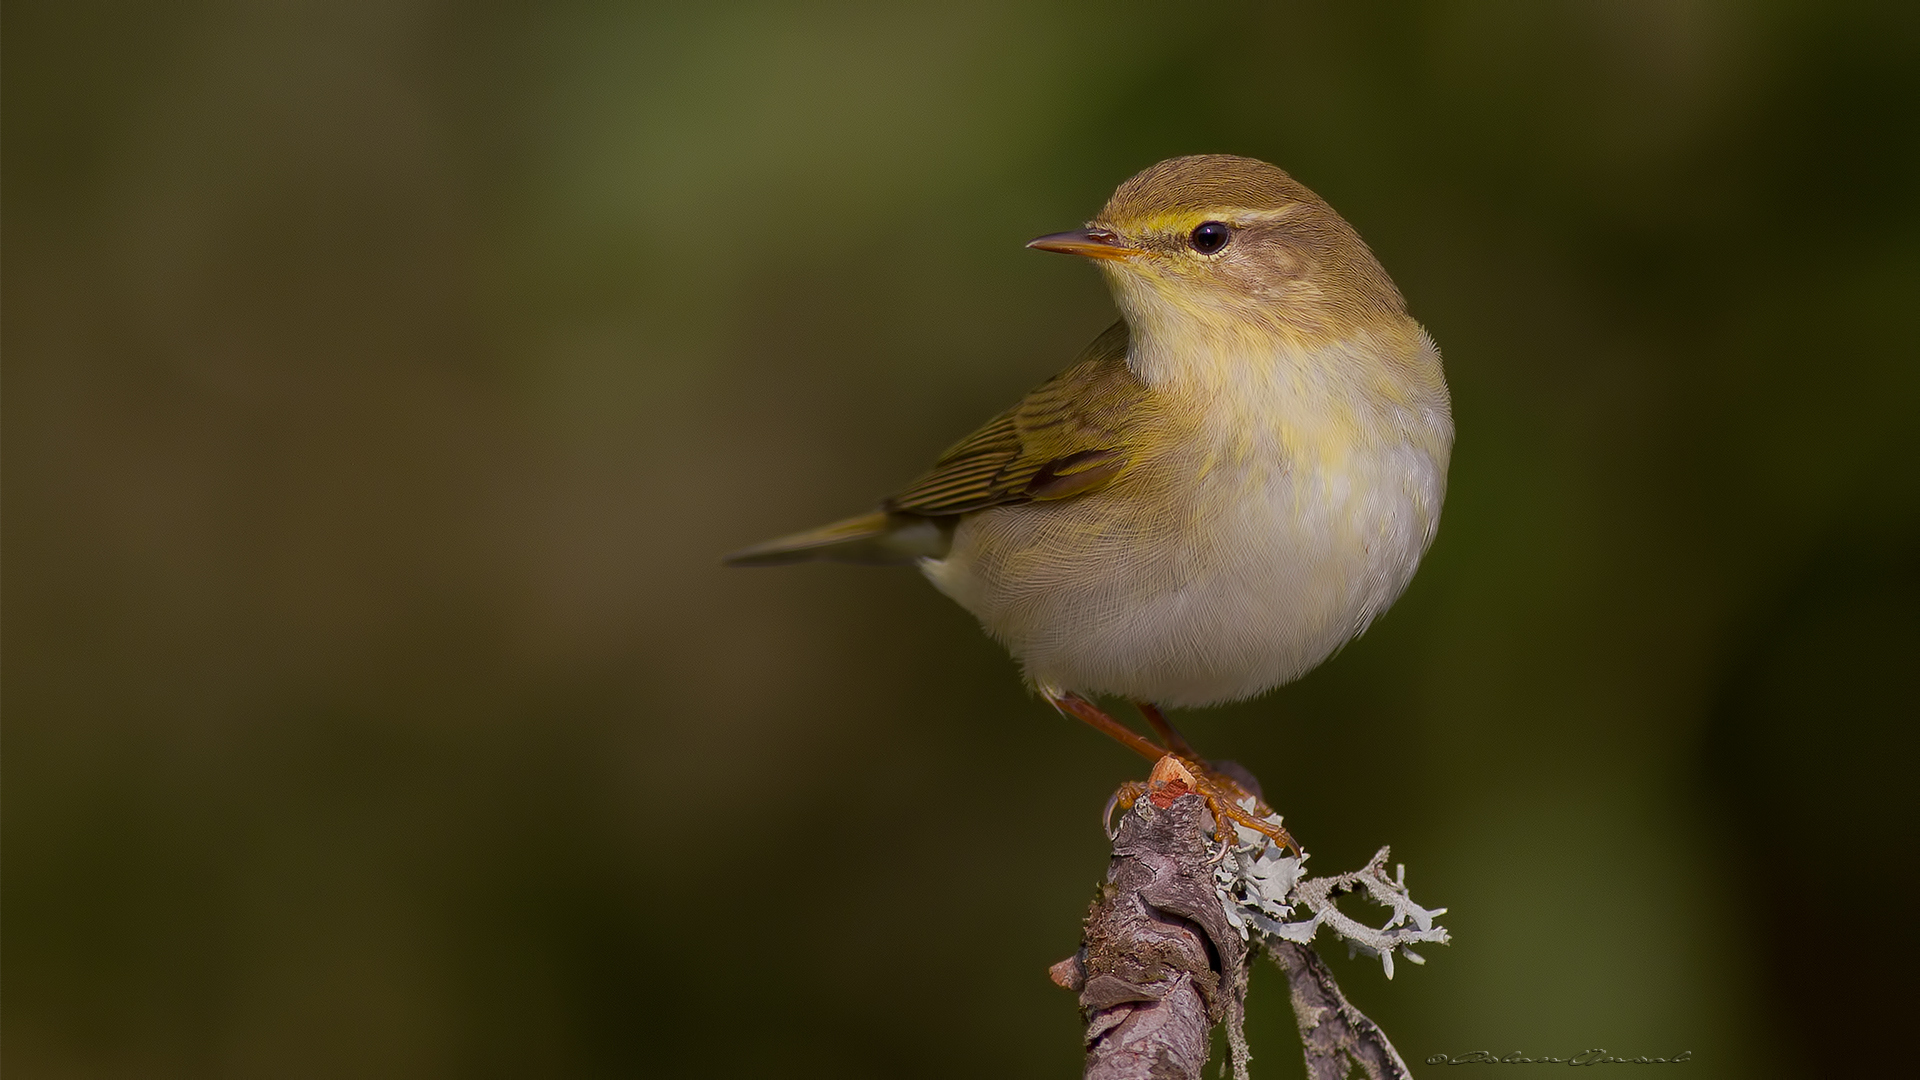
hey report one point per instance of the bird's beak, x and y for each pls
(1093, 243)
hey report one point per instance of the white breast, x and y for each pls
(1220, 571)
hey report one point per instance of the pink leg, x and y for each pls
(1174, 740)
(1086, 711)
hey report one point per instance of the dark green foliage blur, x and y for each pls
(384, 380)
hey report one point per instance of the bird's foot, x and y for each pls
(1227, 799)
(1174, 776)
(1177, 771)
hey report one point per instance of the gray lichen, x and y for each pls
(1262, 888)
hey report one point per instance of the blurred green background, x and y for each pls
(383, 381)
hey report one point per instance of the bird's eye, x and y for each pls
(1210, 237)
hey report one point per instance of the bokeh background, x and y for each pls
(384, 379)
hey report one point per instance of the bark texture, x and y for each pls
(1160, 965)
(1332, 1031)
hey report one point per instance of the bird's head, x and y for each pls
(1218, 246)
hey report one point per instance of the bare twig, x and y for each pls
(1331, 1029)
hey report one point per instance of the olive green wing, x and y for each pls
(1068, 437)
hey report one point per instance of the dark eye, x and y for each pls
(1210, 237)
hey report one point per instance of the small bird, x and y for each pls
(1227, 486)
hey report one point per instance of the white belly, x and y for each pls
(1242, 579)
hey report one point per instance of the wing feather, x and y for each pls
(1067, 437)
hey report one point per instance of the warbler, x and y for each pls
(1227, 486)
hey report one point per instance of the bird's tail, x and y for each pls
(876, 539)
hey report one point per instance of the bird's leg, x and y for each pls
(1175, 741)
(1217, 785)
(1222, 792)
(1087, 712)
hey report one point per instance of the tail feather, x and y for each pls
(876, 539)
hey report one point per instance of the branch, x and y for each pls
(1164, 953)
(1159, 963)
(1331, 1029)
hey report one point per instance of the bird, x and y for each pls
(1226, 487)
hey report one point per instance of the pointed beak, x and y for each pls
(1093, 243)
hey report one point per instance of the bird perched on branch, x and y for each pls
(1229, 484)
